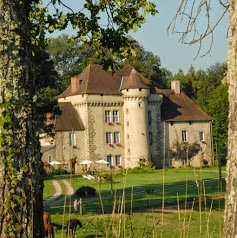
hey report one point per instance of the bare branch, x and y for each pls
(190, 13)
(109, 13)
(60, 2)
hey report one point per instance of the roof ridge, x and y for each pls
(88, 77)
(121, 83)
(134, 80)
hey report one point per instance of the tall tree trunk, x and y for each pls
(230, 216)
(21, 184)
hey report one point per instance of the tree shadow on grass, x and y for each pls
(180, 193)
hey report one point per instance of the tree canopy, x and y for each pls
(71, 57)
(102, 25)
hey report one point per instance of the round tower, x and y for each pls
(136, 139)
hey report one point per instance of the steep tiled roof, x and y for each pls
(95, 80)
(134, 80)
(179, 107)
(69, 119)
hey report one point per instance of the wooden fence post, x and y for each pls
(81, 207)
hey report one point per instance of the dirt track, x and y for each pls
(57, 198)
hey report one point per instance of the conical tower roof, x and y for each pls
(133, 81)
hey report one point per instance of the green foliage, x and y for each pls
(47, 85)
(119, 18)
(86, 191)
(71, 57)
(218, 108)
(212, 96)
(207, 82)
(58, 171)
(143, 169)
(185, 151)
(186, 82)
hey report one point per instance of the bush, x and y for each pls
(59, 171)
(144, 170)
(86, 191)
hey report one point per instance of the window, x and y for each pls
(184, 136)
(117, 160)
(139, 104)
(149, 117)
(50, 158)
(201, 136)
(116, 137)
(107, 116)
(108, 138)
(150, 138)
(72, 138)
(116, 116)
(109, 160)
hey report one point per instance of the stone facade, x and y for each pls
(173, 134)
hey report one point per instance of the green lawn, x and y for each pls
(190, 201)
(49, 189)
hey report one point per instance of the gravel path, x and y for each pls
(59, 198)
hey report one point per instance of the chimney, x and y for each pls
(74, 84)
(175, 85)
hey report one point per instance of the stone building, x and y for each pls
(121, 118)
(185, 122)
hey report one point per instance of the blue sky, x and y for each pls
(153, 37)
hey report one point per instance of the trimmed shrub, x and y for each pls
(86, 191)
